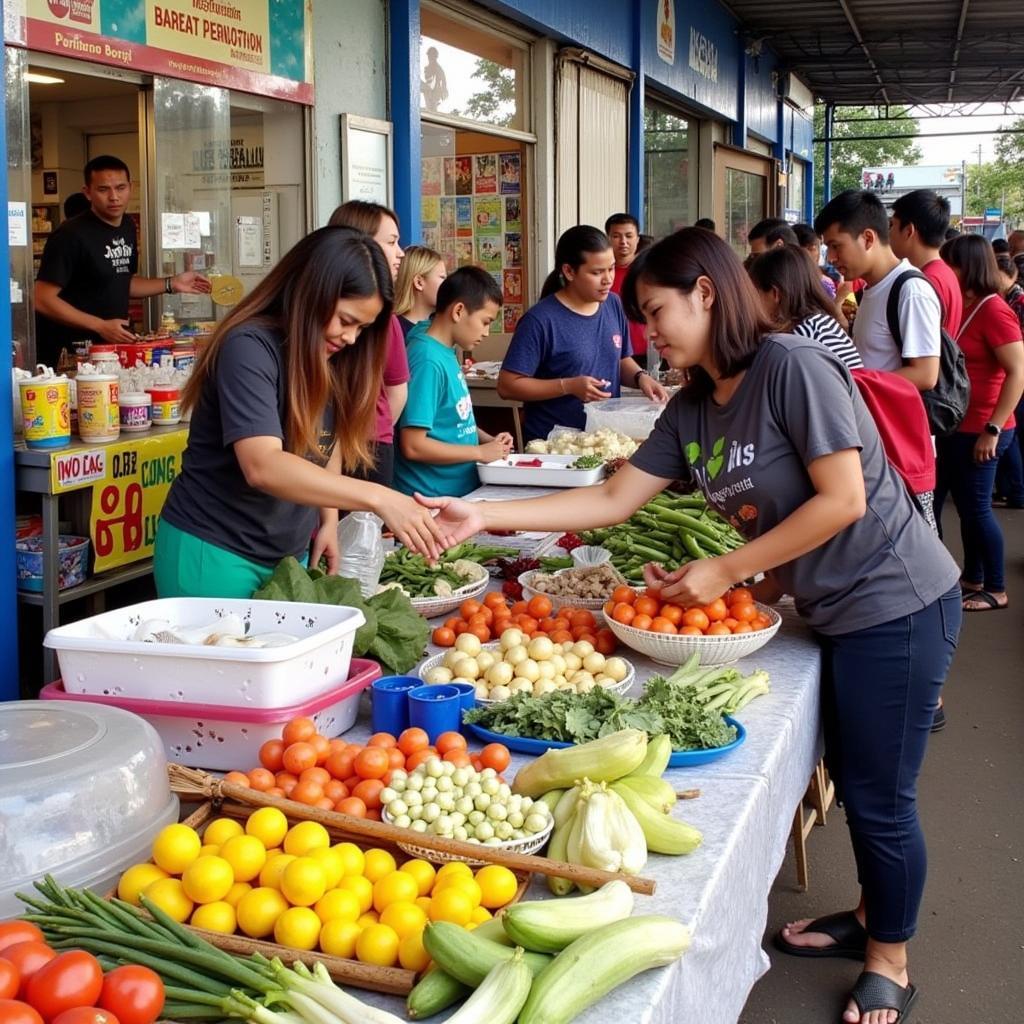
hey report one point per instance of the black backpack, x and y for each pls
(946, 403)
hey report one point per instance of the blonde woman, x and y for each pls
(419, 277)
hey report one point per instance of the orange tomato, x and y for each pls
(495, 600)
(527, 623)
(718, 629)
(270, 755)
(560, 636)
(451, 740)
(519, 608)
(662, 625)
(369, 792)
(373, 814)
(539, 606)
(286, 782)
(339, 764)
(336, 790)
(238, 778)
(691, 631)
(298, 729)
(743, 627)
(307, 792)
(624, 595)
(496, 756)
(561, 621)
(623, 612)
(696, 617)
(478, 765)
(609, 607)
(261, 779)
(646, 606)
(297, 757)
(416, 759)
(351, 805)
(452, 622)
(371, 763)
(443, 636)
(396, 759)
(730, 622)
(458, 757)
(481, 632)
(469, 607)
(325, 803)
(480, 619)
(760, 622)
(587, 637)
(382, 739)
(336, 744)
(461, 627)
(412, 740)
(642, 622)
(744, 611)
(322, 746)
(740, 595)
(716, 610)
(606, 641)
(547, 625)
(321, 776)
(672, 612)
(277, 791)
(582, 618)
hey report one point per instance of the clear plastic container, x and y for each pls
(83, 791)
(362, 550)
(634, 417)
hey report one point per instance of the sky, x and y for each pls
(964, 147)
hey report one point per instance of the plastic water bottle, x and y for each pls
(362, 550)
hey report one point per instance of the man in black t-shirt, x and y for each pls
(89, 269)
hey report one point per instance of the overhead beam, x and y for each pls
(914, 138)
(860, 39)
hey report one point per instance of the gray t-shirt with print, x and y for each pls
(749, 456)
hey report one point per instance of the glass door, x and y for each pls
(742, 194)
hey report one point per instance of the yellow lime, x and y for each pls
(377, 945)
(220, 830)
(424, 873)
(208, 879)
(338, 938)
(297, 927)
(454, 867)
(338, 904)
(270, 876)
(333, 863)
(274, 851)
(452, 905)
(209, 850)
(236, 892)
(497, 884)
(480, 914)
(353, 859)
(423, 902)
(411, 954)
(361, 887)
(370, 917)
(136, 879)
(378, 864)
(302, 882)
(394, 888)
(305, 837)
(258, 911)
(215, 917)
(467, 883)
(246, 855)
(175, 847)
(268, 825)
(404, 918)
(169, 895)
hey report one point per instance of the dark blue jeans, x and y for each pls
(1010, 475)
(970, 483)
(880, 688)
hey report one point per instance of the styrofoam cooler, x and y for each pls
(267, 677)
(223, 739)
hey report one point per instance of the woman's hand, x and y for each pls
(587, 389)
(325, 544)
(985, 447)
(696, 583)
(458, 520)
(411, 524)
(652, 389)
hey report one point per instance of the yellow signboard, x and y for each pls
(219, 31)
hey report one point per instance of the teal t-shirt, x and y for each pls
(439, 402)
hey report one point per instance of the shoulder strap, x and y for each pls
(964, 323)
(892, 305)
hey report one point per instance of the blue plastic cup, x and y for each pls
(467, 696)
(391, 704)
(435, 709)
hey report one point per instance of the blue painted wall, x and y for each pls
(761, 96)
(802, 139)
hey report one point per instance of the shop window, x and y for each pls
(795, 187)
(744, 206)
(670, 171)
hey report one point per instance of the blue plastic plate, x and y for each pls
(679, 759)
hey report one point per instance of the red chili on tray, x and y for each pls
(528, 464)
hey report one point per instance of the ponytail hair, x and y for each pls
(572, 250)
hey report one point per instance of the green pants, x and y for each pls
(186, 566)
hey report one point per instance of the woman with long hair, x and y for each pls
(792, 299)
(419, 277)
(773, 430)
(990, 336)
(281, 416)
(573, 346)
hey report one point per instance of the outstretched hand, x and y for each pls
(456, 520)
(696, 583)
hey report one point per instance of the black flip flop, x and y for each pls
(849, 937)
(939, 719)
(986, 598)
(877, 992)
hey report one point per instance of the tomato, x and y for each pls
(606, 642)
(321, 776)
(716, 610)
(744, 611)
(495, 600)
(69, 980)
(718, 629)
(86, 1015)
(382, 739)
(623, 613)
(496, 756)
(352, 806)
(306, 792)
(369, 792)
(690, 631)
(10, 980)
(297, 730)
(662, 625)
(371, 763)
(299, 756)
(696, 617)
(560, 636)
(270, 755)
(14, 1012)
(261, 779)
(237, 778)
(519, 608)
(339, 764)
(623, 595)
(322, 746)
(135, 994)
(451, 740)
(582, 618)
(28, 957)
(413, 739)
(18, 931)
(740, 595)
(469, 607)
(640, 622)
(743, 627)
(458, 757)
(417, 758)
(336, 790)
(647, 606)
(396, 759)
(452, 622)
(539, 606)
(481, 632)
(672, 612)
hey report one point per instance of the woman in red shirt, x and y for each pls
(990, 337)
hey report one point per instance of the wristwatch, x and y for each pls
(637, 376)
(991, 428)
(168, 285)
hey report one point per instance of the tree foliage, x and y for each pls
(850, 158)
(496, 102)
(1010, 148)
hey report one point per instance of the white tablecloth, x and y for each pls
(745, 812)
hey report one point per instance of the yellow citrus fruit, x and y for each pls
(394, 888)
(270, 876)
(338, 904)
(353, 859)
(209, 850)
(497, 884)
(338, 937)
(452, 905)
(215, 917)
(411, 954)
(424, 873)
(404, 918)
(297, 927)
(175, 847)
(361, 887)
(378, 864)
(479, 915)
(302, 882)
(454, 867)
(377, 945)
(423, 902)
(220, 830)
(305, 837)
(246, 855)
(467, 883)
(274, 851)
(370, 917)
(208, 879)
(236, 892)
(169, 895)
(259, 910)
(136, 879)
(268, 825)
(333, 863)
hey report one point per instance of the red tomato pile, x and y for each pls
(339, 776)
(41, 986)
(536, 617)
(733, 612)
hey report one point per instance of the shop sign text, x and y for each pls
(703, 55)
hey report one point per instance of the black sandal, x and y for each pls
(877, 992)
(848, 934)
(989, 602)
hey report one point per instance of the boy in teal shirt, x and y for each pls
(439, 443)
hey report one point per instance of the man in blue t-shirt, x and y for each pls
(439, 443)
(573, 347)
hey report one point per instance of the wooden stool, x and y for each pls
(821, 792)
(812, 810)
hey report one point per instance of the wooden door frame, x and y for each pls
(726, 157)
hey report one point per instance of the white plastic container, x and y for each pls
(223, 739)
(634, 417)
(96, 655)
(83, 791)
(554, 472)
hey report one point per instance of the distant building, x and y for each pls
(892, 182)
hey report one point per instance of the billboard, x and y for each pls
(939, 177)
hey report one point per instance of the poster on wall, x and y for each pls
(449, 176)
(432, 176)
(430, 210)
(463, 252)
(510, 173)
(487, 215)
(513, 214)
(463, 175)
(512, 286)
(513, 249)
(448, 217)
(488, 252)
(485, 173)
(464, 216)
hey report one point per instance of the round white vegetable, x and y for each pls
(573, 663)
(452, 658)
(585, 685)
(434, 768)
(500, 693)
(503, 831)
(475, 817)
(419, 825)
(510, 638)
(535, 823)
(543, 686)
(515, 655)
(402, 821)
(581, 648)
(500, 674)
(468, 643)
(558, 663)
(541, 648)
(482, 802)
(414, 782)
(594, 662)
(482, 691)
(484, 831)
(485, 659)
(546, 669)
(616, 668)
(467, 667)
(521, 685)
(438, 674)
(490, 786)
(528, 669)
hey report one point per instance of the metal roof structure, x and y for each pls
(894, 51)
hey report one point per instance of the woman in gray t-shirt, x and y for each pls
(773, 430)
